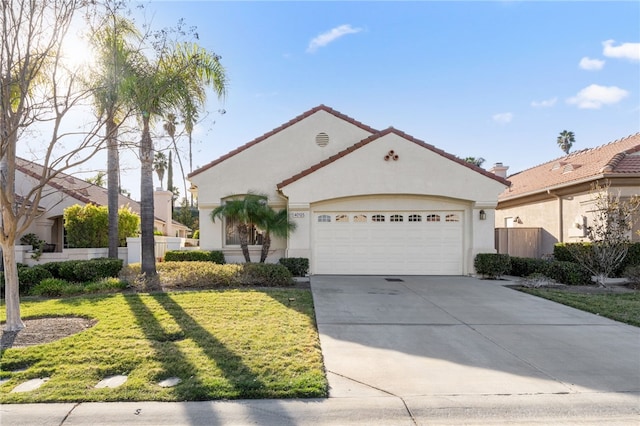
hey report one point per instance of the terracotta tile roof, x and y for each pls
(78, 189)
(378, 135)
(281, 128)
(617, 158)
(74, 187)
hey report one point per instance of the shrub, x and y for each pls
(96, 269)
(492, 265)
(55, 287)
(37, 245)
(632, 273)
(265, 274)
(105, 285)
(562, 252)
(195, 274)
(87, 226)
(569, 273)
(29, 277)
(196, 234)
(194, 256)
(298, 266)
(84, 270)
(525, 266)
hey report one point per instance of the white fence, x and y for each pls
(129, 254)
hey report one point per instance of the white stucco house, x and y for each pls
(365, 201)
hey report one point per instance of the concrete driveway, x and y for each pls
(447, 345)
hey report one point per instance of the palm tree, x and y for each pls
(169, 126)
(177, 77)
(273, 223)
(160, 165)
(112, 42)
(475, 161)
(566, 140)
(243, 212)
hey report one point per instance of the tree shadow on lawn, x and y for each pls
(166, 344)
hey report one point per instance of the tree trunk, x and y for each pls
(113, 186)
(266, 244)
(190, 170)
(243, 233)
(147, 239)
(8, 228)
(12, 288)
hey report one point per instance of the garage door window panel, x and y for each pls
(396, 218)
(433, 218)
(324, 218)
(377, 218)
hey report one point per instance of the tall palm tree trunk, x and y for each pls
(146, 205)
(243, 234)
(113, 186)
(266, 245)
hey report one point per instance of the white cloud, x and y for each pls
(591, 64)
(547, 103)
(503, 117)
(625, 50)
(595, 96)
(331, 36)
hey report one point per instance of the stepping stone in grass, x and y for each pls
(30, 385)
(170, 382)
(111, 382)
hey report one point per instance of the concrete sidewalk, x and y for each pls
(425, 350)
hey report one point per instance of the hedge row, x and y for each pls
(493, 265)
(77, 271)
(298, 266)
(562, 252)
(211, 275)
(194, 256)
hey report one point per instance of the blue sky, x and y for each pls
(497, 80)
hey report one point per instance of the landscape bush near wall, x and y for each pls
(71, 271)
(298, 266)
(202, 275)
(562, 253)
(88, 226)
(194, 256)
(493, 266)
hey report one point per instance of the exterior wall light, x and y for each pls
(483, 215)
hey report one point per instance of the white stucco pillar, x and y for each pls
(299, 244)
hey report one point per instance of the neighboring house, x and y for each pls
(556, 196)
(64, 190)
(364, 201)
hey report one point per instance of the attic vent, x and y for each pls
(322, 139)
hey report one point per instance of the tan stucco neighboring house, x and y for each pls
(64, 190)
(557, 196)
(365, 201)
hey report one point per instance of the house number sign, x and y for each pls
(297, 215)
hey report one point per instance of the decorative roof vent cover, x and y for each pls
(322, 139)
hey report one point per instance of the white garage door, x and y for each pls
(383, 243)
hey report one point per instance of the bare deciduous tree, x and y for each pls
(609, 233)
(37, 88)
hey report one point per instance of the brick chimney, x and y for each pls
(499, 170)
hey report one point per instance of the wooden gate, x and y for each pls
(519, 242)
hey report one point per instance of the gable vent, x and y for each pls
(322, 139)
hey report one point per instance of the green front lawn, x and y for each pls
(623, 307)
(222, 344)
